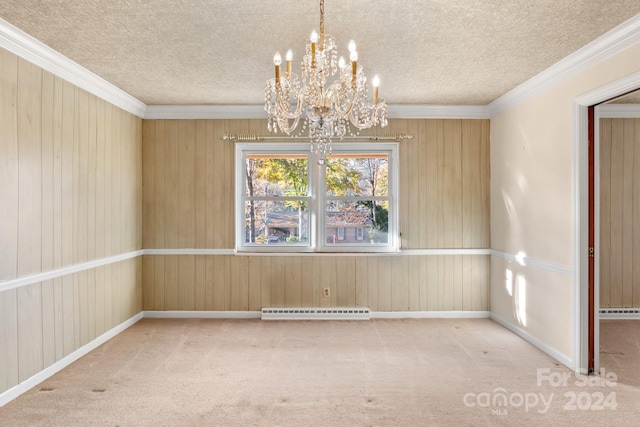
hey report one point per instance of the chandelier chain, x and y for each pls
(322, 18)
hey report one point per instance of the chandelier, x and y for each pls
(329, 97)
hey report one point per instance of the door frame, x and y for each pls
(582, 331)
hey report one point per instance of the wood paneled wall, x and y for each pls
(619, 213)
(70, 192)
(188, 202)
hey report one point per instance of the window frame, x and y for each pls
(316, 197)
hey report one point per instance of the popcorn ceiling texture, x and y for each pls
(220, 51)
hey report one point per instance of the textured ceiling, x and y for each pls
(220, 51)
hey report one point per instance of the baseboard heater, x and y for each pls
(316, 313)
(620, 313)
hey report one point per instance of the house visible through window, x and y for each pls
(287, 202)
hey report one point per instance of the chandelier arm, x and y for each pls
(283, 107)
(370, 120)
(287, 128)
(349, 108)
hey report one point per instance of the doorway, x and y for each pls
(586, 310)
(618, 267)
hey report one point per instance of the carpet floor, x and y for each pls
(196, 372)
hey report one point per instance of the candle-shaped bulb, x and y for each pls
(277, 60)
(352, 46)
(353, 56)
(341, 63)
(376, 83)
(314, 39)
(289, 57)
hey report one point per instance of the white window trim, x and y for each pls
(317, 192)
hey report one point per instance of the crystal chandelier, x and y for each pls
(329, 97)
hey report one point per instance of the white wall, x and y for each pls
(532, 204)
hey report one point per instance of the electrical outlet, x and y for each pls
(326, 292)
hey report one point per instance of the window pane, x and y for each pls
(357, 175)
(276, 223)
(363, 222)
(276, 175)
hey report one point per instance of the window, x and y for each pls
(286, 202)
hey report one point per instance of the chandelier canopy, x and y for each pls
(329, 97)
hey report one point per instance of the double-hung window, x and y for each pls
(287, 202)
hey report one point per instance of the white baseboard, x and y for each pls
(201, 314)
(33, 381)
(374, 314)
(430, 314)
(556, 354)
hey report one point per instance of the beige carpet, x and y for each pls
(305, 373)
(620, 349)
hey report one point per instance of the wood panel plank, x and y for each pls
(68, 313)
(58, 317)
(185, 175)
(240, 286)
(158, 282)
(372, 283)
(423, 183)
(200, 283)
(605, 213)
(108, 181)
(48, 324)
(171, 282)
(186, 282)
(411, 267)
(101, 326)
(171, 185)
(627, 213)
(307, 282)
(215, 178)
(385, 296)
(200, 184)
(424, 283)
(219, 283)
(433, 288)
(30, 337)
(148, 284)
(81, 178)
(265, 282)
(209, 283)
(8, 337)
(432, 177)
(9, 171)
(277, 282)
(46, 161)
(254, 268)
(617, 176)
(159, 149)
(636, 215)
(92, 178)
(29, 119)
(100, 205)
(149, 208)
(362, 281)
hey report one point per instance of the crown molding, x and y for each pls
(225, 112)
(610, 44)
(416, 111)
(619, 111)
(22, 44)
(399, 111)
